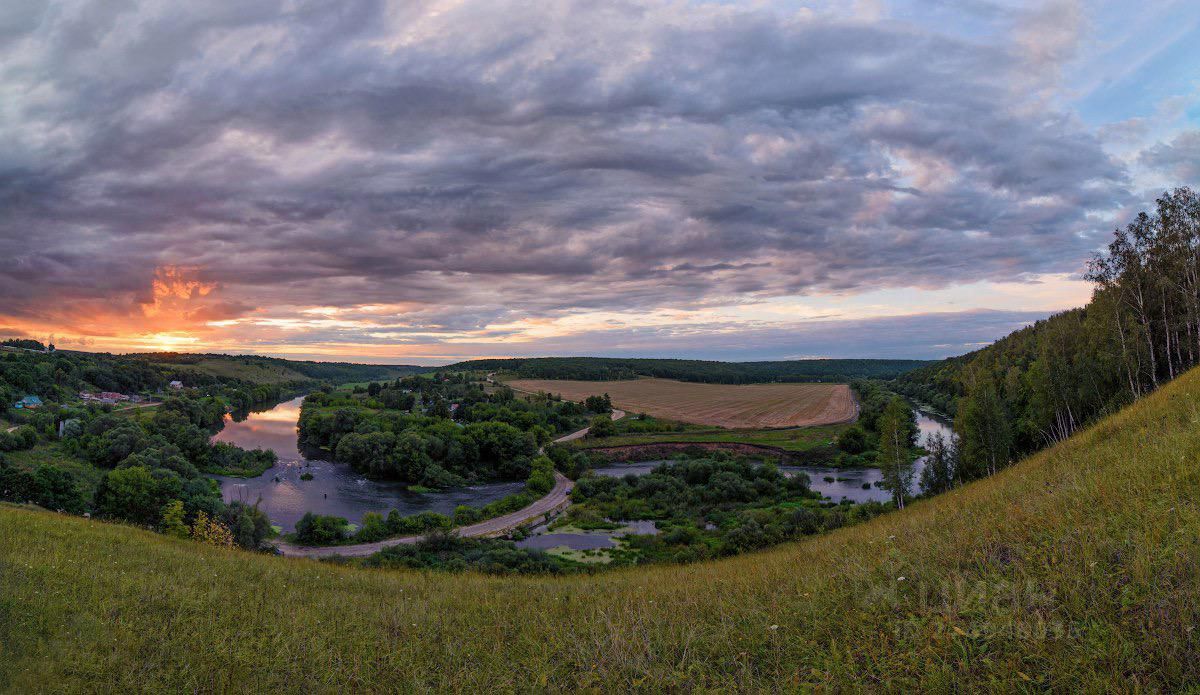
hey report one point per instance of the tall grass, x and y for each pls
(1078, 569)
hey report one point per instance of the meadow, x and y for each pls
(720, 405)
(795, 439)
(1075, 569)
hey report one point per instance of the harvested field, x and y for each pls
(723, 405)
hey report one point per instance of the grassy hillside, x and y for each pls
(1077, 569)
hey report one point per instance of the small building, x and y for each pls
(112, 397)
(28, 403)
(176, 385)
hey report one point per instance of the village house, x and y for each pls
(28, 403)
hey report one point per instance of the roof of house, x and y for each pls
(31, 400)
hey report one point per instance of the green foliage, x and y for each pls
(541, 476)
(491, 437)
(1040, 384)
(172, 521)
(317, 529)
(983, 429)
(249, 525)
(24, 344)
(894, 457)
(445, 552)
(45, 486)
(853, 440)
(613, 368)
(941, 465)
(708, 508)
(1076, 572)
(602, 426)
(136, 494)
(598, 404)
(24, 437)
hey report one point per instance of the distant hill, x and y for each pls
(24, 372)
(259, 369)
(613, 368)
(1074, 570)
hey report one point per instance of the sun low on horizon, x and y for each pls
(428, 182)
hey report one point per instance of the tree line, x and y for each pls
(1042, 383)
(706, 371)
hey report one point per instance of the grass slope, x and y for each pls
(1077, 569)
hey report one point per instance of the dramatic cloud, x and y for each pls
(285, 173)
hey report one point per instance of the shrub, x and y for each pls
(464, 515)
(541, 477)
(318, 529)
(372, 528)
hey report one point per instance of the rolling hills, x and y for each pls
(1075, 569)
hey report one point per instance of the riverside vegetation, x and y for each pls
(1072, 570)
(148, 466)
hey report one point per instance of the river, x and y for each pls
(335, 488)
(853, 484)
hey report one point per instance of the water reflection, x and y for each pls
(335, 488)
(544, 539)
(853, 484)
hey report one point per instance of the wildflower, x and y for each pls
(900, 578)
(773, 627)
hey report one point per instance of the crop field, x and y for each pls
(722, 405)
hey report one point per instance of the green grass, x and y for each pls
(792, 439)
(52, 454)
(1077, 569)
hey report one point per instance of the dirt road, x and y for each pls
(557, 497)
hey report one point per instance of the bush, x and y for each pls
(373, 528)
(541, 478)
(602, 426)
(135, 494)
(464, 515)
(318, 529)
(853, 440)
(23, 437)
(46, 486)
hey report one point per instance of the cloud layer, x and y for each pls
(418, 169)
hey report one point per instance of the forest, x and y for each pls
(437, 432)
(614, 368)
(1042, 383)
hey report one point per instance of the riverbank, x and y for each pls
(554, 501)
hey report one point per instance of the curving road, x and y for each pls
(556, 498)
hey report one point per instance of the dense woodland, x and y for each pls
(611, 368)
(1042, 383)
(334, 372)
(437, 432)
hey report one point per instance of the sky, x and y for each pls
(423, 182)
